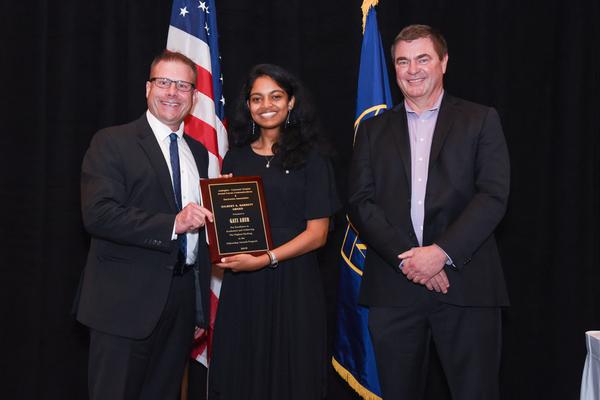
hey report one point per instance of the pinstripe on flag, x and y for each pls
(353, 356)
(193, 32)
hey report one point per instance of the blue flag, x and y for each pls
(353, 356)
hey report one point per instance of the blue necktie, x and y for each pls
(174, 155)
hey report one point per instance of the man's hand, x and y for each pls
(191, 218)
(420, 264)
(439, 282)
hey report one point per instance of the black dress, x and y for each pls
(270, 332)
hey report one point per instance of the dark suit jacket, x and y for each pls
(129, 209)
(466, 196)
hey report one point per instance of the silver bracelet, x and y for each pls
(274, 261)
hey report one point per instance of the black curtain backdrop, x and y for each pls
(71, 67)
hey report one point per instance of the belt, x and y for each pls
(180, 268)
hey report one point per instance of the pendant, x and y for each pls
(269, 159)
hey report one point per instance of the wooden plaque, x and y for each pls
(241, 223)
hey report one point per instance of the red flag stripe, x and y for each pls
(204, 82)
(204, 133)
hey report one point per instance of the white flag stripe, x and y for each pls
(202, 358)
(204, 110)
(217, 279)
(194, 48)
(214, 168)
(222, 139)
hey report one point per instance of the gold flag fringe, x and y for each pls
(362, 391)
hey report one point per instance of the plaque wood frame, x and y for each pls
(241, 221)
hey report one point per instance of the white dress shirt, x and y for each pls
(420, 130)
(190, 178)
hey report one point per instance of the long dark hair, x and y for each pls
(296, 138)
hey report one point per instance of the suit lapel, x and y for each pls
(401, 138)
(157, 160)
(442, 127)
(200, 163)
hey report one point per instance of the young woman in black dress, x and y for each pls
(270, 333)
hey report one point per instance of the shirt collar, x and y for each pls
(434, 107)
(161, 131)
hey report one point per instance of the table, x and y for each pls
(590, 381)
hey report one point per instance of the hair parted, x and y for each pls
(413, 32)
(167, 55)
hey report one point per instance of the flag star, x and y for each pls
(183, 11)
(221, 77)
(203, 6)
(222, 100)
(208, 12)
(206, 28)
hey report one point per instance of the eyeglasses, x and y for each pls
(165, 83)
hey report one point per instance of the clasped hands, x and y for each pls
(425, 266)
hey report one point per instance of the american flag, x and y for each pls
(193, 32)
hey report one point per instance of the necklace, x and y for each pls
(269, 159)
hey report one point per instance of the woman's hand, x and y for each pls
(313, 237)
(244, 262)
(225, 175)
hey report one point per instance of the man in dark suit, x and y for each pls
(430, 185)
(145, 284)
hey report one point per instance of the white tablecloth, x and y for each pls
(590, 381)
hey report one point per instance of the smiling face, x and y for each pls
(170, 106)
(419, 72)
(269, 104)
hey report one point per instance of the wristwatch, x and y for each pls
(274, 261)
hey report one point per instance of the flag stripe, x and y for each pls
(203, 132)
(204, 82)
(193, 32)
(194, 48)
(204, 109)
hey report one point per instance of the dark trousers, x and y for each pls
(121, 368)
(468, 341)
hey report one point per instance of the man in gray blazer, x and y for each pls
(145, 285)
(430, 181)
